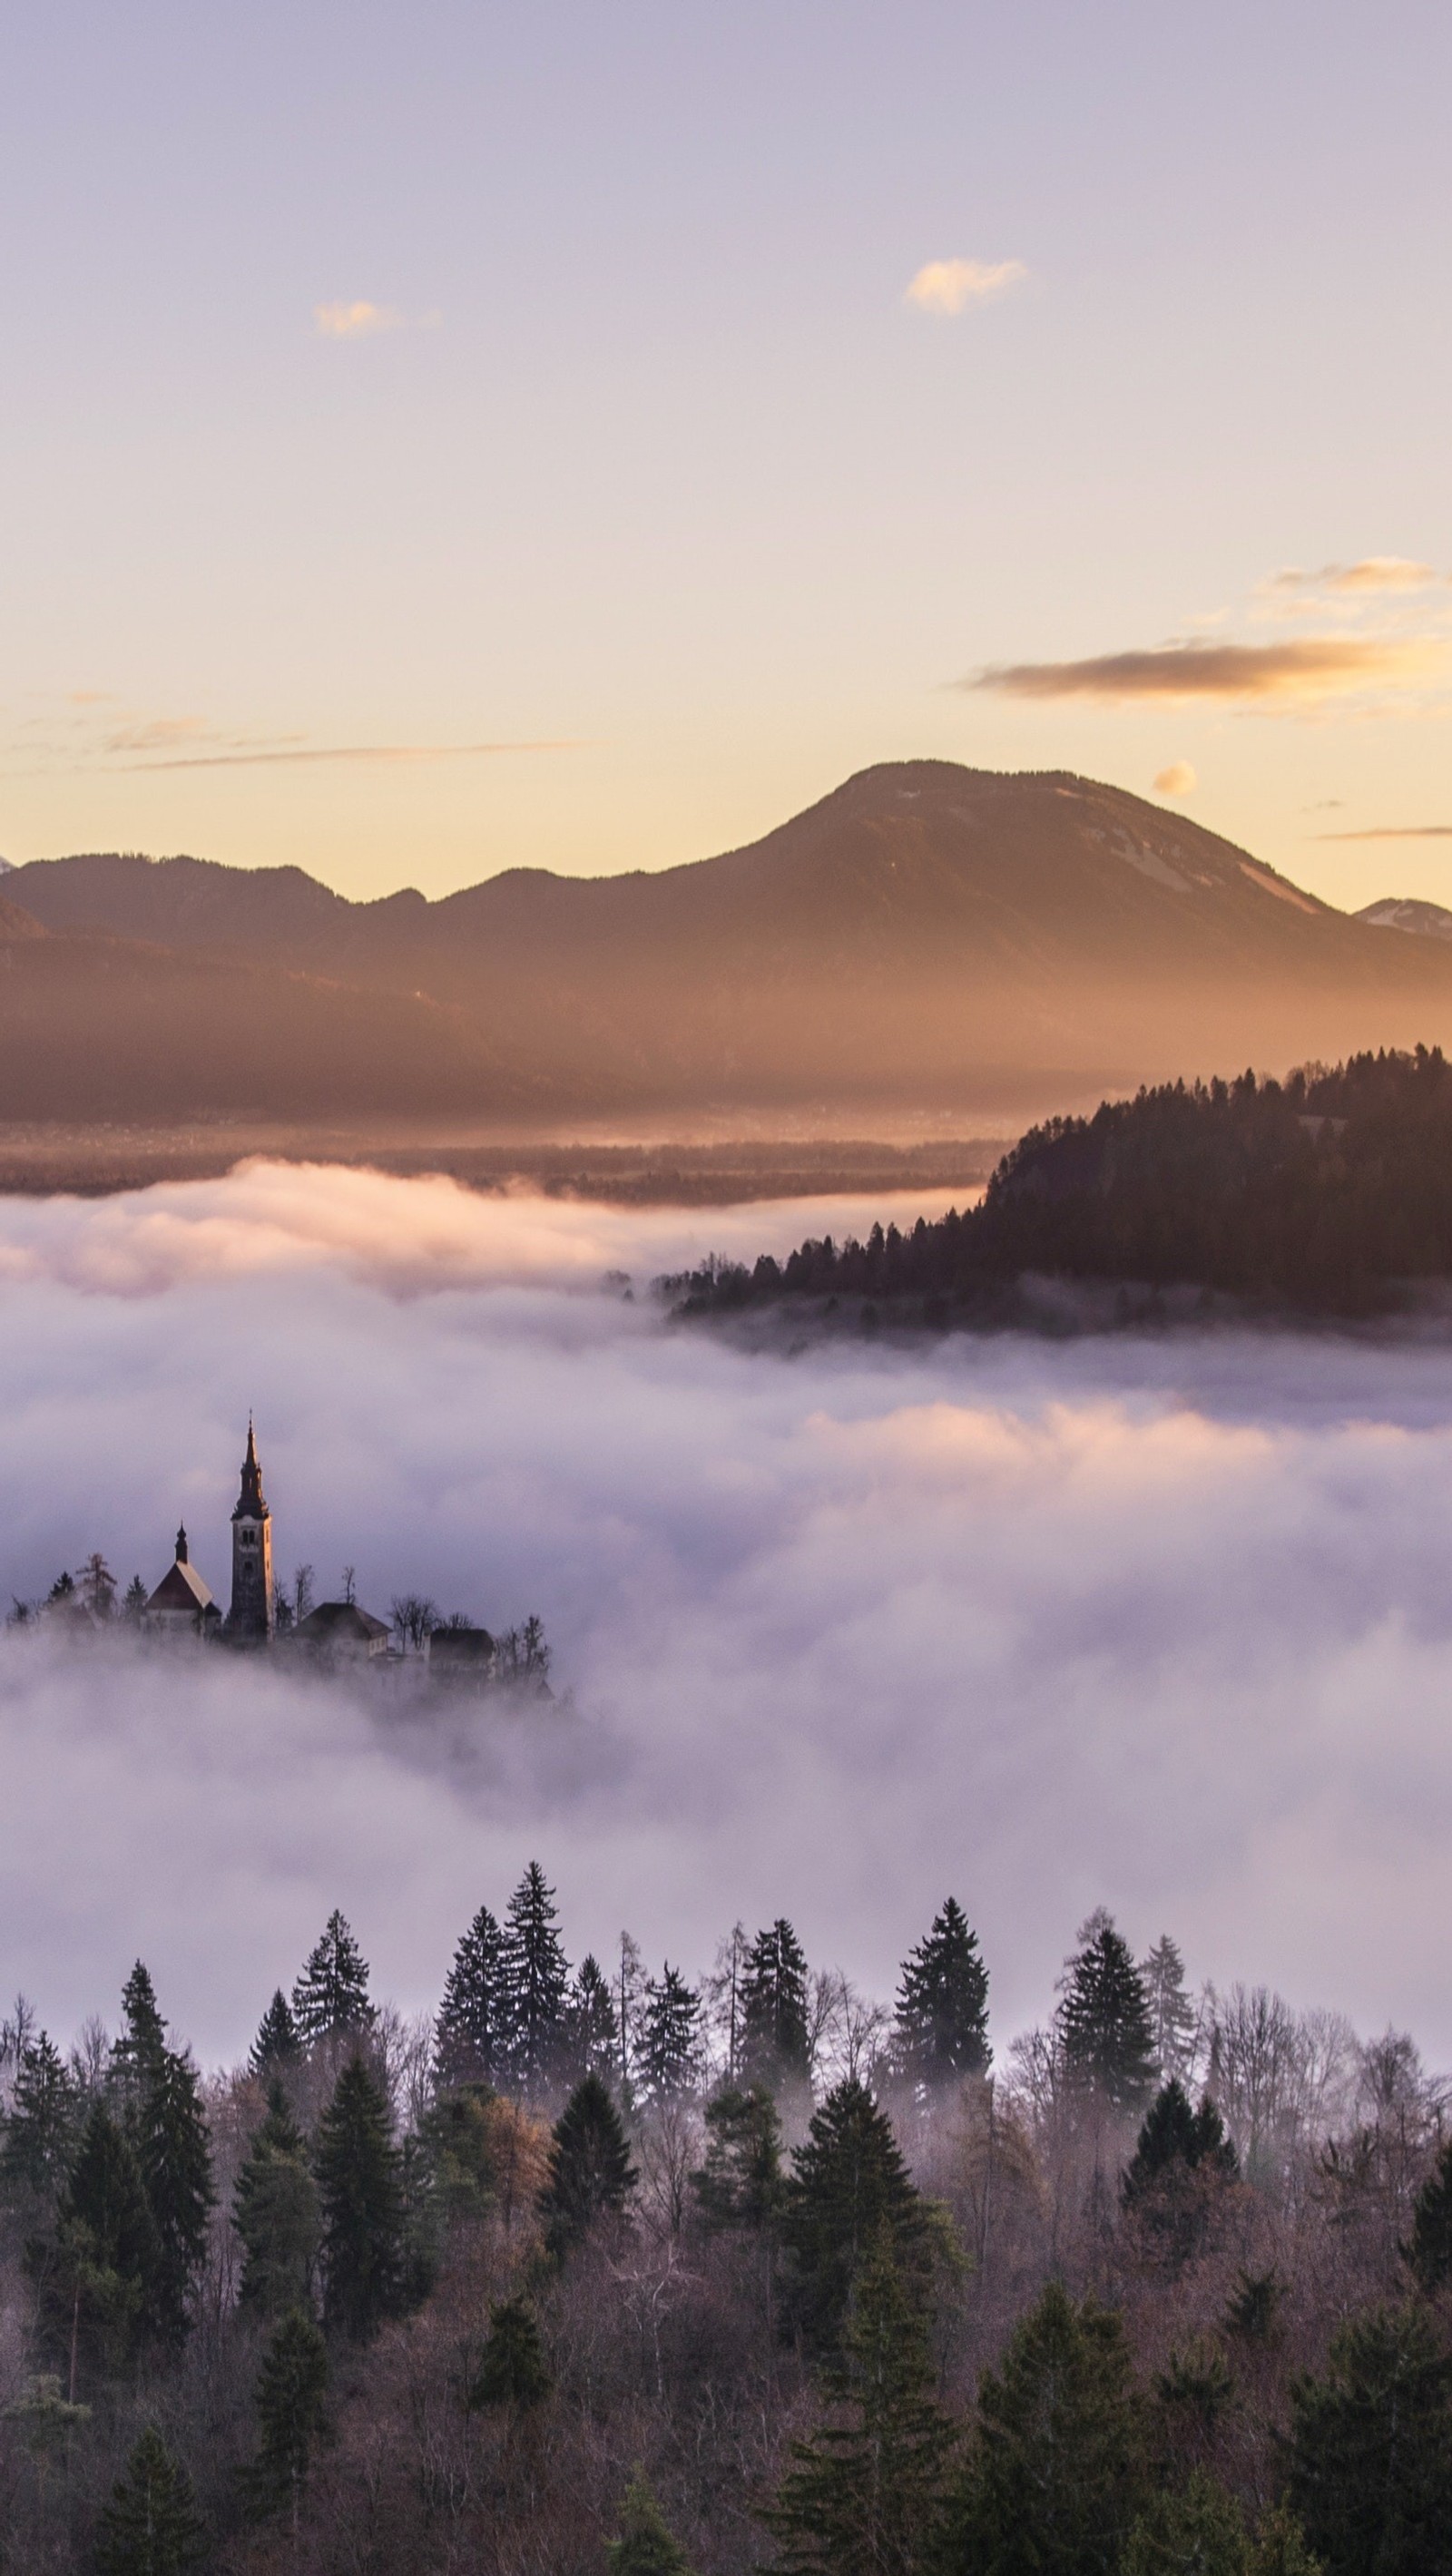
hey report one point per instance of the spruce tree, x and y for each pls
(1056, 2476)
(291, 2398)
(466, 2041)
(942, 2003)
(863, 2497)
(775, 2043)
(1172, 2015)
(276, 2215)
(740, 2183)
(1370, 2458)
(534, 1980)
(1195, 2530)
(591, 2175)
(513, 2370)
(646, 2545)
(174, 2156)
(40, 2134)
(330, 1999)
(1429, 2252)
(361, 2192)
(136, 2055)
(150, 2527)
(848, 2184)
(591, 2036)
(1103, 2019)
(670, 2038)
(100, 2293)
(277, 2045)
(1181, 2159)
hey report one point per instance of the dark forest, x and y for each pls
(594, 2268)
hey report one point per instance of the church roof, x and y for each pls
(180, 1588)
(252, 1502)
(339, 1619)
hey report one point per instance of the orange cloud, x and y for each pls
(1373, 572)
(950, 285)
(358, 321)
(1298, 672)
(1178, 780)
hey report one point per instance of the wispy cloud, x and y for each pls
(357, 751)
(1371, 573)
(951, 285)
(1178, 780)
(1298, 672)
(357, 321)
(1393, 832)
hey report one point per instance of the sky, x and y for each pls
(457, 437)
(1160, 1623)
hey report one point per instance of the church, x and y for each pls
(182, 1604)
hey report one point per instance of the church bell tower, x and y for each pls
(251, 1617)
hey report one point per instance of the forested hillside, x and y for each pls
(1328, 1193)
(597, 2269)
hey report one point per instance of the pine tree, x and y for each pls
(848, 2184)
(466, 2043)
(1056, 2476)
(1253, 2309)
(1103, 2020)
(1181, 2159)
(291, 2399)
(174, 2156)
(101, 2290)
(1371, 2449)
(646, 2545)
(361, 2191)
(150, 2526)
(142, 2044)
(513, 2370)
(1196, 2530)
(863, 2496)
(330, 1999)
(534, 1980)
(591, 2038)
(942, 2003)
(775, 2043)
(40, 2134)
(1172, 2015)
(1430, 2251)
(277, 2045)
(740, 2183)
(591, 2175)
(276, 2215)
(670, 2040)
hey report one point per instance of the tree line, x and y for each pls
(1328, 1193)
(596, 2267)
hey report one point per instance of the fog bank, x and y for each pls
(1163, 1624)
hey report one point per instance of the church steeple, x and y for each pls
(251, 1617)
(181, 1544)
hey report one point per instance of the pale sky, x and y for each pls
(692, 406)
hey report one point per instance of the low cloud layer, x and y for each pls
(1161, 1624)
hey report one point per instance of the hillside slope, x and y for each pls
(928, 937)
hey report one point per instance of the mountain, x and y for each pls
(1408, 912)
(927, 939)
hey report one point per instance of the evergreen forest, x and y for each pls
(596, 2268)
(1328, 1194)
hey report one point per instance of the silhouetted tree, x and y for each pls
(775, 2041)
(1172, 2015)
(591, 2175)
(1103, 2019)
(1429, 2252)
(848, 2183)
(277, 2045)
(150, 2527)
(330, 1999)
(467, 2040)
(361, 2191)
(741, 2182)
(40, 2134)
(646, 2545)
(1056, 2478)
(590, 2041)
(670, 2038)
(291, 2398)
(1370, 2461)
(534, 1980)
(513, 2370)
(942, 2003)
(276, 2214)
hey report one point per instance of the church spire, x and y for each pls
(252, 1504)
(251, 1617)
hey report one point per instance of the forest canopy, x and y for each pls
(1327, 1193)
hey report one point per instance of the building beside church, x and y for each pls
(182, 1604)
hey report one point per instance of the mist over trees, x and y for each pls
(1328, 1193)
(599, 2268)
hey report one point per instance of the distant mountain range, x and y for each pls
(1407, 912)
(927, 939)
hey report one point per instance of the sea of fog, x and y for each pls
(1162, 1623)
